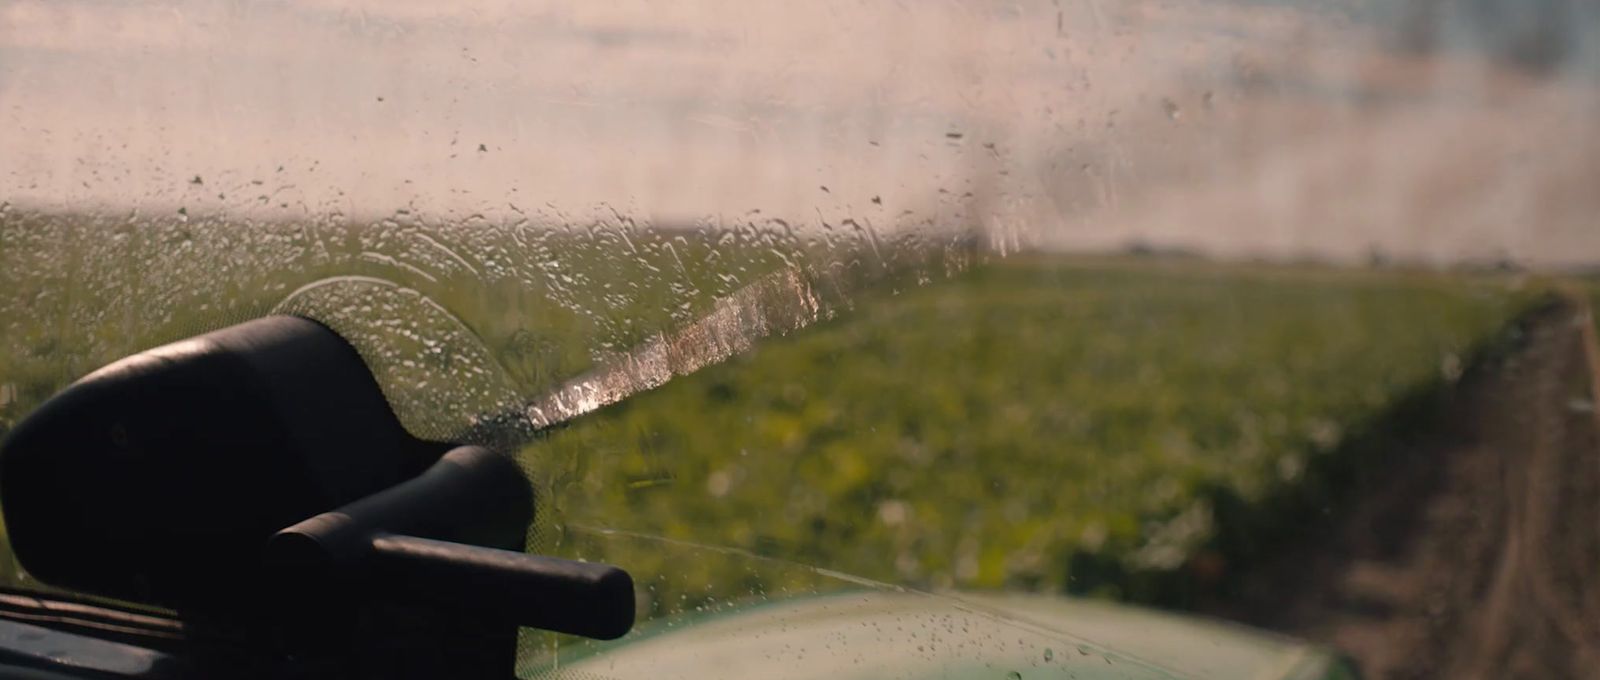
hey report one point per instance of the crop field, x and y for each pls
(1122, 427)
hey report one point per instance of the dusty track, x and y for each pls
(1475, 555)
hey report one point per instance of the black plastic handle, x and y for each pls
(580, 598)
(402, 543)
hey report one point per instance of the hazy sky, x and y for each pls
(1238, 128)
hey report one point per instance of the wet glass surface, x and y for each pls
(784, 305)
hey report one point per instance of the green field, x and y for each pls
(1043, 424)
(1120, 427)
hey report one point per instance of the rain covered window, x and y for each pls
(891, 339)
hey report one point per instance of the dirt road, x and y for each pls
(1475, 553)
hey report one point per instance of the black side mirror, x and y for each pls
(255, 480)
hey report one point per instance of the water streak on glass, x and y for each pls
(779, 303)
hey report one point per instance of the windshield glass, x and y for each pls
(830, 320)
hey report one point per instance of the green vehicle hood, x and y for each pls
(955, 636)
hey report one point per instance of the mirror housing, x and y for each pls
(255, 480)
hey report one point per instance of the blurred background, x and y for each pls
(1275, 311)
